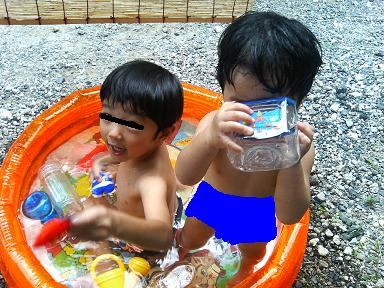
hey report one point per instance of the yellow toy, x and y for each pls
(111, 278)
(139, 267)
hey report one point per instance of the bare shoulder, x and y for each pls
(159, 166)
(151, 182)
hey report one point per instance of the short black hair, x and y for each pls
(282, 53)
(146, 89)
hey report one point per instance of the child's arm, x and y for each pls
(100, 164)
(152, 233)
(292, 194)
(194, 160)
(213, 133)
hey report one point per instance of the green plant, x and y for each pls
(371, 200)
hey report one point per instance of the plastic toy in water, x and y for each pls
(139, 268)
(60, 189)
(111, 278)
(139, 265)
(274, 143)
(71, 116)
(51, 230)
(179, 277)
(105, 187)
(87, 160)
(38, 206)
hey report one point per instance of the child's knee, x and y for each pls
(253, 250)
(191, 241)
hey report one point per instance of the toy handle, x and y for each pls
(105, 257)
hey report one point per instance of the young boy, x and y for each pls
(141, 104)
(261, 55)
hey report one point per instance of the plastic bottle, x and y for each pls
(60, 189)
(38, 206)
(274, 143)
(179, 277)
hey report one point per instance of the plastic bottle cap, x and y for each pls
(50, 167)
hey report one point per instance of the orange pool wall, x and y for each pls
(55, 126)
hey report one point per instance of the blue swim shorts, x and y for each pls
(236, 219)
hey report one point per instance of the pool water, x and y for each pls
(68, 260)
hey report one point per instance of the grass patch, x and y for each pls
(377, 261)
(322, 210)
(371, 200)
(372, 163)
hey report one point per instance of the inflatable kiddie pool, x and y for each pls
(55, 126)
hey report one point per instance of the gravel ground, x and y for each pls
(39, 65)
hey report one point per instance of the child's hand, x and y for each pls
(97, 167)
(100, 166)
(227, 121)
(94, 223)
(306, 133)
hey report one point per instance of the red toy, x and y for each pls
(86, 161)
(51, 230)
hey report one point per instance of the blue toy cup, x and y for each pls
(38, 206)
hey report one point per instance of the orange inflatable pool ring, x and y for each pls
(62, 121)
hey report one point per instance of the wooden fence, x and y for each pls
(120, 11)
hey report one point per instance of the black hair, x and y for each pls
(146, 89)
(282, 53)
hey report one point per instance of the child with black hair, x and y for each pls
(141, 104)
(261, 55)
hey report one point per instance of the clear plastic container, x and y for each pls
(60, 189)
(274, 143)
(179, 277)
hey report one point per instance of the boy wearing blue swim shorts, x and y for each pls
(141, 104)
(261, 55)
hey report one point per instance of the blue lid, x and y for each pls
(281, 99)
(37, 205)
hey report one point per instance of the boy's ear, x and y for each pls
(164, 134)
